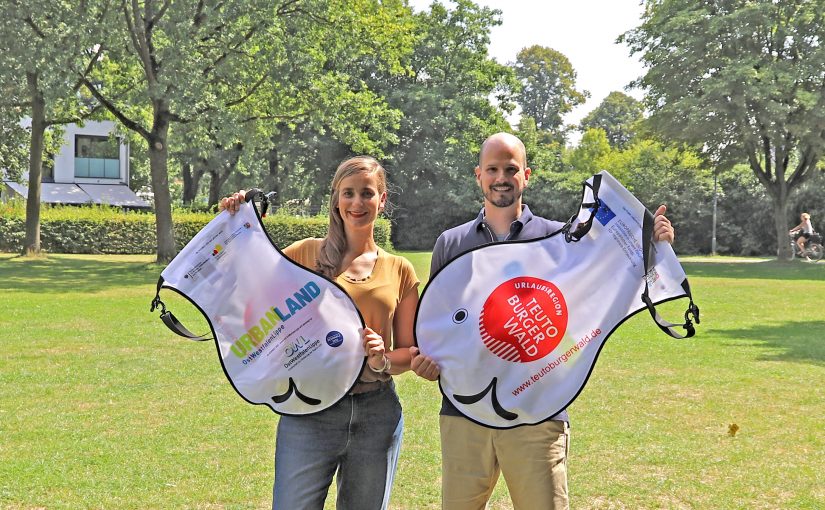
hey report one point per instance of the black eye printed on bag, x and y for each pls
(535, 313)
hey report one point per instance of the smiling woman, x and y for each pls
(358, 438)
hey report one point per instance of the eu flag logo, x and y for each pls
(604, 214)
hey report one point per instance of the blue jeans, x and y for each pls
(359, 437)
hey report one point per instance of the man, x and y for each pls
(533, 458)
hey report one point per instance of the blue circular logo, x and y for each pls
(334, 339)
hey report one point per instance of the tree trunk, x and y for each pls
(216, 183)
(192, 175)
(214, 188)
(31, 245)
(273, 181)
(190, 189)
(778, 189)
(228, 163)
(780, 217)
(158, 157)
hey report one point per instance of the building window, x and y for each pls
(96, 157)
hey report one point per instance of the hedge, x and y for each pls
(93, 229)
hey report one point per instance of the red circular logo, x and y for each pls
(524, 319)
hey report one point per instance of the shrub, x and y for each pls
(94, 229)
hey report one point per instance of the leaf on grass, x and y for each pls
(733, 429)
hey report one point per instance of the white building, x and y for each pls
(91, 168)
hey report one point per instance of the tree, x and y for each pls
(316, 91)
(331, 77)
(744, 79)
(548, 87)
(445, 100)
(660, 173)
(45, 50)
(544, 153)
(656, 173)
(617, 115)
(588, 157)
(13, 140)
(171, 61)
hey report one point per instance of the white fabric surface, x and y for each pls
(522, 323)
(306, 342)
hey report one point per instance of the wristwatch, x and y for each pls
(385, 368)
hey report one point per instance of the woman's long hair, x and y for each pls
(335, 243)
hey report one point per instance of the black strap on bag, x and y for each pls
(168, 317)
(583, 228)
(171, 321)
(647, 244)
(692, 309)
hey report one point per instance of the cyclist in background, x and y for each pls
(806, 229)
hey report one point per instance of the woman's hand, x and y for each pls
(662, 229)
(374, 350)
(233, 202)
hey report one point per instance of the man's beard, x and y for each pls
(504, 200)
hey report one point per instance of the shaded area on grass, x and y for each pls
(797, 341)
(767, 270)
(57, 274)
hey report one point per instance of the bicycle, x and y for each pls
(813, 249)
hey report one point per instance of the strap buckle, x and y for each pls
(158, 303)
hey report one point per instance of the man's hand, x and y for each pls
(662, 229)
(233, 202)
(423, 366)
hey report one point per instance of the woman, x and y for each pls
(807, 229)
(359, 437)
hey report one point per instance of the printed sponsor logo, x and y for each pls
(523, 319)
(203, 269)
(604, 214)
(334, 339)
(299, 350)
(255, 336)
(295, 346)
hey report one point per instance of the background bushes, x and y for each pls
(67, 229)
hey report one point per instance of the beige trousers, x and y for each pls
(532, 458)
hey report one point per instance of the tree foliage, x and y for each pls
(548, 87)
(618, 115)
(13, 142)
(316, 92)
(744, 80)
(655, 172)
(447, 113)
(45, 48)
(172, 62)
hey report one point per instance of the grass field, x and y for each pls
(102, 407)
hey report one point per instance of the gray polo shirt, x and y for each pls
(457, 240)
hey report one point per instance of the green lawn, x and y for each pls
(102, 407)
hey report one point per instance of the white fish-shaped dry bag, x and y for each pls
(286, 336)
(516, 327)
